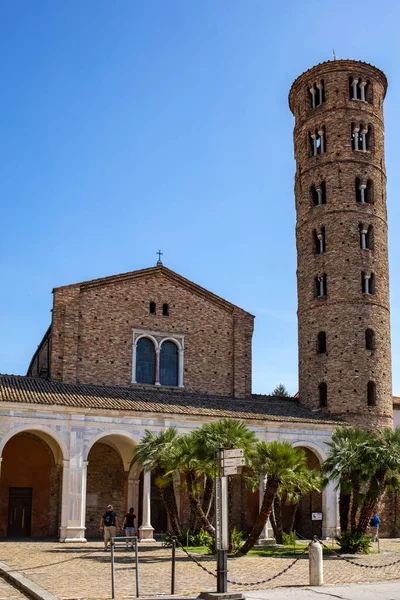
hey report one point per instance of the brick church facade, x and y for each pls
(150, 349)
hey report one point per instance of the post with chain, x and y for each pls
(315, 556)
(221, 506)
(173, 566)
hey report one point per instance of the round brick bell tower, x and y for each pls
(341, 236)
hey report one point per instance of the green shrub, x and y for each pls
(352, 543)
(237, 540)
(289, 539)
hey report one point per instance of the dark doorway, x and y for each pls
(19, 512)
(159, 517)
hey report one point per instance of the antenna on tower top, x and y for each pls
(334, 54)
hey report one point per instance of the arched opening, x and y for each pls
(298, 515)
(30, 486)
(109, 461)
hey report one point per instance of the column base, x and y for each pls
(266, 542)
(146, 533)
(330, 532)
(72, 534)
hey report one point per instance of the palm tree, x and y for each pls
(285, 466)
(381, 458)
(228, 434)
(152, 453)
(183, 457)
(344, 465)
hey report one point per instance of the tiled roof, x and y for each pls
(29, 390)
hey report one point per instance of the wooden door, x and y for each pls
(19, 512)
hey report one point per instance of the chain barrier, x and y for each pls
(356, 564)
(198, 563)
(273, 576)
(251, 582)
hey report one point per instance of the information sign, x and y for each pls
(316, 516)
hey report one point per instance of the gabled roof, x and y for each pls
(157, 270)
(29, 390)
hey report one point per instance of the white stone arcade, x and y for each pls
(71, 433)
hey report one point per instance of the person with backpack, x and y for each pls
(374, 523)
(109, 523)
(129, 524)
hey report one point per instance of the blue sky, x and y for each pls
(129, 126)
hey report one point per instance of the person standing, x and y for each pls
(109, 524)
(129, 524)
(374, 523)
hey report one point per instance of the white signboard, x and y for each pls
(234, 462)
(238, 453)
(316, 516)
(230, 471)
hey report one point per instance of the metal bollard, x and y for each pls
(316, 563)
(173, 566)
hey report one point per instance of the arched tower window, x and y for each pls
(319, 240)
(366, 236)
(145, 361)
(316, 94)
(321, 342)
(152, 308)
(364, 191)
(318, 194)
(165, 310)
(369, 339)
(371, 393)
(169, 363)
(360, 137)
(320, 284)
(368, 283)
(323, 395)
(317, 141)
(359, 89)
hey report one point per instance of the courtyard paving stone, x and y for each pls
(83, 571)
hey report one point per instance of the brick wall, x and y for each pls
(92, 332)
(345, 313)
(105, 485)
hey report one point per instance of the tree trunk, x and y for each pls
(272, 521)
(169, 498)
(294, 509)
(373, 495)
(271, 490)
(208, 495)
(195, 504)
(278, 520)
(355, 499)
(344, 506)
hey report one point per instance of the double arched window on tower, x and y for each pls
(158, 363)
(359, 89)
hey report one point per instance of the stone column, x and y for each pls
(73, 507)
(133, 494)
(146, 530)
(180, 369)
(330, 511)
(157, 382)
(265, 538)
(134, 362)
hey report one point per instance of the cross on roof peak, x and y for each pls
(159, 262)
